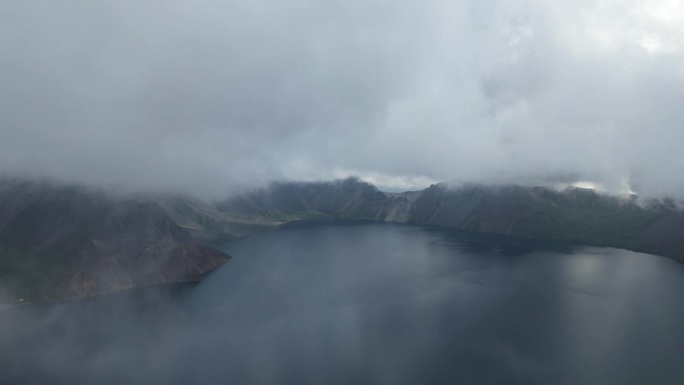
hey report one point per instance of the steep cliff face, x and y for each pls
(286, 201)
(206, 222)
(63, 242)
(60, 242)
(574, 214)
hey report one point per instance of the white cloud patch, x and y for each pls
(203, 97)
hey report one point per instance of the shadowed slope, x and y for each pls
(574, 214)
(59, 242)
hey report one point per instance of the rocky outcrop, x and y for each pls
(206, 222)
(64, 242)
(59, 241)
(287, 201)
(574, 214)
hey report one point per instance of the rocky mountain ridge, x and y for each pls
(66, 242)
(573, 214)
(62, 242)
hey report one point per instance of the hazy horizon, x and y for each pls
(126, 192)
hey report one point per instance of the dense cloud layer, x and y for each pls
(205, 96)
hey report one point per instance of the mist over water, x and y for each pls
(372, 303)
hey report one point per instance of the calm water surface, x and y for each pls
(372, 303)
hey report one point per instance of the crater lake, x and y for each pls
(371, 304)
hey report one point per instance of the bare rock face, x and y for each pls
(139, 245)
(62, 242)
(66, 242)
(575, 214)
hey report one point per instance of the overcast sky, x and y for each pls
(203, 96)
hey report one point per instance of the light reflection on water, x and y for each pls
(373, 303)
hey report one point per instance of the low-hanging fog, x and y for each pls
(204, 96)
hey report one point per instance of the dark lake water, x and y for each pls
(372, 303)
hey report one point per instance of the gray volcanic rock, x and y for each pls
(348, 198)
(64, 242)
(574, 214)
(60, 242)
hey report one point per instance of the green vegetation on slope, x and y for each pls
(25, 276)
(59, 242)
(575, 214)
